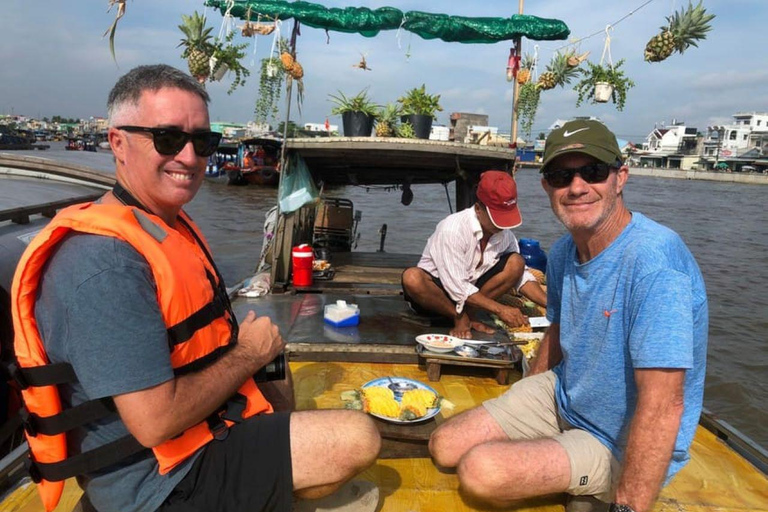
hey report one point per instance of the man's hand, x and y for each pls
(513, 317)
(260, 338)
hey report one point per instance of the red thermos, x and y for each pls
(302, 257)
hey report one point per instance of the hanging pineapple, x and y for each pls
(526, 69)
(197, 45)
(558, 72)
(685, 27)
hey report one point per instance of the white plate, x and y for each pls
(539, 321)
(402, 381)
(447, 343)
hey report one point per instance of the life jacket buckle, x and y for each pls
(28, 421)
(16, 374)
(34, 471)
(218, 428)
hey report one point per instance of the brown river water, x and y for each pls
(725, 225)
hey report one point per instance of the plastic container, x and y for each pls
(533, 254)
(341, 314)
(302, 257)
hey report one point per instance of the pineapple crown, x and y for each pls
(689, 25)
(197, 35)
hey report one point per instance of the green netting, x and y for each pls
(369, 22)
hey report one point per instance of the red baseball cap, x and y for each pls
(498, 192)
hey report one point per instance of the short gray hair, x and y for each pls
(128, 89)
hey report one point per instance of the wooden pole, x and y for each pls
(516, 87)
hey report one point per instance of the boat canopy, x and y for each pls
(368, 22)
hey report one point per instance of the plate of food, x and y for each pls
(441, 343)
(396, 400)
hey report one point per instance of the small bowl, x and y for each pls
(398, 388)
(466, 351)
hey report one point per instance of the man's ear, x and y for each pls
(117, 141)
(621, 178)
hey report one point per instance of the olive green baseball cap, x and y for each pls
(586, 136)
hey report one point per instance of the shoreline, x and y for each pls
(683, 174)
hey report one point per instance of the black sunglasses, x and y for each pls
(169, 141)
(592, 173)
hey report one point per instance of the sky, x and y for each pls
(54, 61)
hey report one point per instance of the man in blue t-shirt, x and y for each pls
(610, 405)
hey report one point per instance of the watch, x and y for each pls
(616, 507)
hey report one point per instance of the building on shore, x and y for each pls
(738, 146)
(670, 147)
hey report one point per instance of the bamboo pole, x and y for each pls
(516, 87)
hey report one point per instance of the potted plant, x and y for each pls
(602, 83)
(419, 108)
(527, 104)
(225, 57)
(357, 113)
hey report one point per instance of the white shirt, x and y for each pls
(452, 254)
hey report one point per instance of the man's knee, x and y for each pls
(515, 265)
(413, 278)
(476, 476)
(364, 439)
(441, 448)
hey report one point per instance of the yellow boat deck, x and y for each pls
(716, 479)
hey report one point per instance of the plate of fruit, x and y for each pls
(395, 399)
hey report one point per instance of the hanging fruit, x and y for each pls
(574, 60)
(558, 72)
(684, 28)
(526, 69)
(197, 44)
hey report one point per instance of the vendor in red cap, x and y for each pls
(472, 259)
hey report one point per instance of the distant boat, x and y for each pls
(249, 162)
(80, 144)
(105, 145)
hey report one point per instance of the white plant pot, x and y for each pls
(603, 91)
(217, 74)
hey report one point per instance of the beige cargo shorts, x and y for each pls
(528, 410)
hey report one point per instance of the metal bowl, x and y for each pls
(466, 351)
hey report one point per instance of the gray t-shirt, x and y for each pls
(97, 310)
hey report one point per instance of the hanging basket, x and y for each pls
(217, 74)
(603, 92)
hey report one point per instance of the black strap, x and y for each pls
(86, 462)
(45, 375)
(203, 362)
(185, 329)
(68, 419)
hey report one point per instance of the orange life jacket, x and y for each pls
(201, 328)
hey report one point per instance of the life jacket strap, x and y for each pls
(67, 419)
(232, 411)
(86, 462)
(51, 374)
(185, 329)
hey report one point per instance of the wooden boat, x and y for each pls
(726, 473)
(80, 144)
(255, 162)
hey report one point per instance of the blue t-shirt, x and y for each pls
(640, 303)
(97, 310)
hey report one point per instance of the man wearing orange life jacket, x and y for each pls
(126, 340)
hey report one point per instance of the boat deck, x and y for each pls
(716, 479)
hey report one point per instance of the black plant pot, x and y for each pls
(422, 125)
(357, 124)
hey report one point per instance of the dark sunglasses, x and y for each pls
(170, 141)
(592, 173)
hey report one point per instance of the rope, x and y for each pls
(597, 33)
(607, 46)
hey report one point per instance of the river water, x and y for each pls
(725, 225)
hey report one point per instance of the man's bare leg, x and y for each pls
(505, 280)
(325, 456)
(494, 469)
